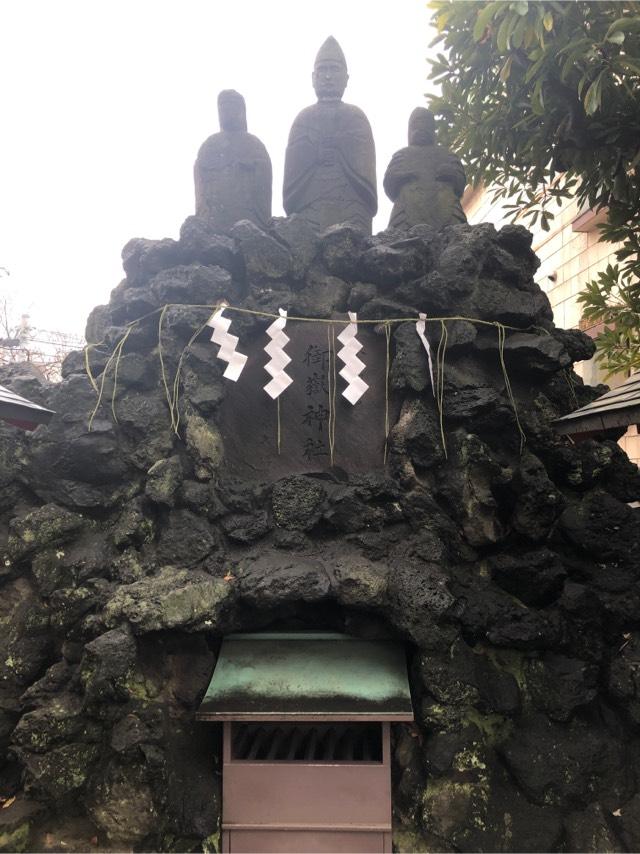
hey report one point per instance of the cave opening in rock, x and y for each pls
(165, 684)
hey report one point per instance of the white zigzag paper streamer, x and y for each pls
(279, 359)
(420, 329)
(353, 366)
(228, 343)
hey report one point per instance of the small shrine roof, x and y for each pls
(308, 676)
(21, 412)
(616, 408)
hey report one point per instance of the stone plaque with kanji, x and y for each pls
(312, 417)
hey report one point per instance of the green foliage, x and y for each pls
(607, 300)
(542, 100)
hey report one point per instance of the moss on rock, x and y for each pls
(15, 840)
(47, 526)
(61, 771)
(205, 445)
(297, 502)
(171, 599)
(163, 479)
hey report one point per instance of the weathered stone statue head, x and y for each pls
(422, 127)
(330, 77)
(232, 111)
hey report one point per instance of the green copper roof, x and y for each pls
(308, 675)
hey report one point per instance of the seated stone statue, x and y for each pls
(425, 181)
(330, 163)
(233, 171)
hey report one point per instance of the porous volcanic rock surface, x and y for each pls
(512, 574)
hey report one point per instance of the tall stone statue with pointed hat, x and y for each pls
(330, 164)
(424, 180)
(233, 171)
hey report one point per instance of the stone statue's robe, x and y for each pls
(330, 167)
(425, 182)
(233, 180)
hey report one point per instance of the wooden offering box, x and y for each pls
(306, 755)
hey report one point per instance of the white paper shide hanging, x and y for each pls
(279, 359)
(420, 329)
(227, 343)
(353, 366)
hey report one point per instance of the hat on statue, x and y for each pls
(331, 52)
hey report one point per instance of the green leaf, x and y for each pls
(583, 82)
(616, 38)
(485, 16)
(442, 18)
(505, 71)
(629, 25)
(504, 32)
(521, 7)
(593, 95)
(529, 37)
(518, 33)
(533, 69)
(537, 99)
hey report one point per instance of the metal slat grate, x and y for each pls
(307, 742)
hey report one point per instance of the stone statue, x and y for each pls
(425, 181)
(330, 164)
(233, 171)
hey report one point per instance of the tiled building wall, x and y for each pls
(630, 442)
(569, 259)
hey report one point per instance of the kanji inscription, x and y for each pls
(249, 418)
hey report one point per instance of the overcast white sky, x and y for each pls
(104, 104)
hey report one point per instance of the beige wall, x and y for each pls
(570, 255)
